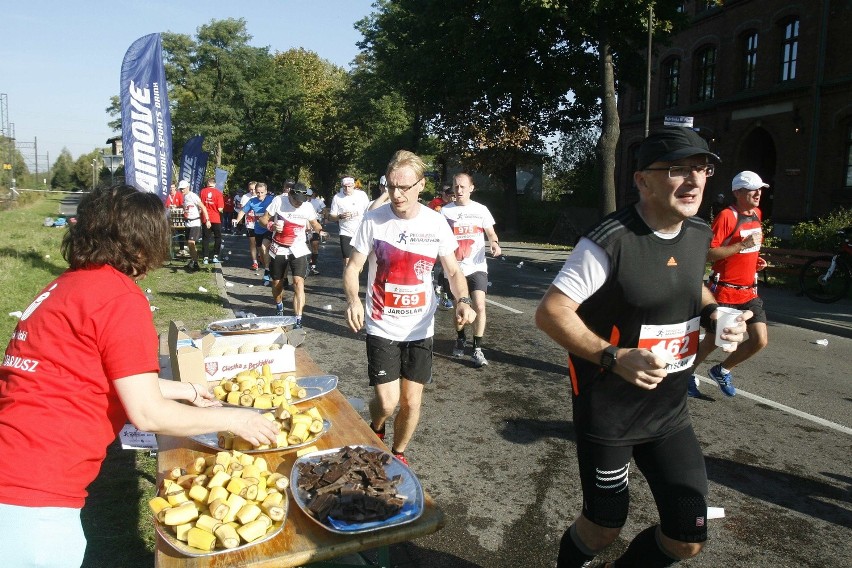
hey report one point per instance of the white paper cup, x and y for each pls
(727, 318)
(279, 226)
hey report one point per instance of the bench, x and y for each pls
(786, 261)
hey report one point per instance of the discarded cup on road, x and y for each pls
(327, 307)
(229, 284)
(202, 289)
(727, 318)
(820, 342)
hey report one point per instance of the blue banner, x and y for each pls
(221, 179)
(193, 163)
(146, 125)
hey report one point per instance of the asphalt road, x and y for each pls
(495, 446)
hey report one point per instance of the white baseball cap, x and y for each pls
(747, 180)
(182, 184)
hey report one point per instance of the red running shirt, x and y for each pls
(730, 227)
(58, 407)
(213, 200)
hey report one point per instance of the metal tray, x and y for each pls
(409, 488)
(211, 440)
(187, 550)
(316, 385)
(241, 326)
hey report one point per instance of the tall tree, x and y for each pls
(488, 78)
(63, 171)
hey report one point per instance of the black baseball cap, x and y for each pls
(672, 143)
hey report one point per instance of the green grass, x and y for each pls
(116, 517)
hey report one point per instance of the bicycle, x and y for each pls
(826, 279)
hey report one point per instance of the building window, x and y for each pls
(750, 60)
(639, 99)
(671, 76)
(790, 50)
(706, 73)
(848, 183)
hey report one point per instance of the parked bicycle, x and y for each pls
(827, 279)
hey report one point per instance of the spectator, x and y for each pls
(228, 212)
(79, 366)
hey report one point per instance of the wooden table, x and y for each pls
(302, 541)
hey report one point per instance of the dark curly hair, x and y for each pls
(119, 226)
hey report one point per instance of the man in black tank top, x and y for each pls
(627, 306)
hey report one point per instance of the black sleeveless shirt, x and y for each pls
(652, 297)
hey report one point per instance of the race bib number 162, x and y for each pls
(679, 340)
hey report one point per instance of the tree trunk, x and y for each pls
(609, 124)
(509, 181)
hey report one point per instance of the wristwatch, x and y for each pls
(608, 357)
(465, 300)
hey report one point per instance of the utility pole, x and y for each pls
(648, 71)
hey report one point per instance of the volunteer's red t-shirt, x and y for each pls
(213, 200)
(58, 407)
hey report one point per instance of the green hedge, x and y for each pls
(821, 235)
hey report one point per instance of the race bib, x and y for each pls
(250, 217)
(677, 342)
(405, 299)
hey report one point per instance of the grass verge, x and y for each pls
(116, 517)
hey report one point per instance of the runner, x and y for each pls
(402, 242)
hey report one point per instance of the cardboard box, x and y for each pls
(197, 358)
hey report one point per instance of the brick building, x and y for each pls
(769, 84)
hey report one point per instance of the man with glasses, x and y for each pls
(627, 305)
(735, 254)
(402, 242)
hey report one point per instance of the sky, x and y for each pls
(60, 60)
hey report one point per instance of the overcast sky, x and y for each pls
(60, 60)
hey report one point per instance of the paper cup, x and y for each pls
(727, 318)
(279, 226)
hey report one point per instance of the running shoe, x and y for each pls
(314, 269)
(446, 304)
(692, 387)
(725, 381)
(401, 457)
(279, 312)
(205, 261)
(297, 325)
(216, 260)
(379, 433)
(254, 265)
(478, 358)
(458, 350)
(266, 281)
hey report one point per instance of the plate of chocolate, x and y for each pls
(356, 489)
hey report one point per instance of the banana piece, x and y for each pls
(253, 530)
(201, 539)
(227, 536)
(207, 523)
(181, 514)
(158, 504)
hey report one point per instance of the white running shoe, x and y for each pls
(479, 359)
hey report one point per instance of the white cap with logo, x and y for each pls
(747, 180)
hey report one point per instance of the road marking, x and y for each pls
(785, 408)
(505, 307)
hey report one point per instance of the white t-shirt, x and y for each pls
(192, 209)
(356, 204)
(401, 299)
(468, 223)
(292, 239)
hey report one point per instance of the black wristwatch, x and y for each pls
(608, 357)
(465, 300)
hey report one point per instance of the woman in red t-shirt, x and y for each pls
(82, 361)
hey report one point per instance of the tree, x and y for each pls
(615, 36)
(491, 110)
(63, 171)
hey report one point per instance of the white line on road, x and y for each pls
(505, 307)
(785, 408)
